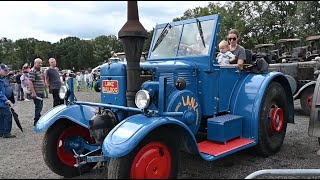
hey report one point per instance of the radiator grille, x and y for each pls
(170, 77)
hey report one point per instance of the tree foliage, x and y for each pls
(262, 21)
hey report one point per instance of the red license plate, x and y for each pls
(110, 86)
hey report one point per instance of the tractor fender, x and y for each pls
(297, 95)
(247, 99)
(80, 114)
(292, 82)
(124, 137)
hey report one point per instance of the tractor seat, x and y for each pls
(248, 56)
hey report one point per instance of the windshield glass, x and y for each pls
(171, 40)
(189, 43)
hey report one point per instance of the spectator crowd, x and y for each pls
(34, 84)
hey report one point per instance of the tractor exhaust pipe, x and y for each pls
(132, 36)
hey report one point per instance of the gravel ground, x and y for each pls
(21, 157)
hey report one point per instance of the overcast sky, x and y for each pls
(51, 21)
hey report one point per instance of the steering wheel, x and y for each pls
(183, 49)
(247, 67)
(308, 54)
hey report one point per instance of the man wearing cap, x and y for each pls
(6, 92)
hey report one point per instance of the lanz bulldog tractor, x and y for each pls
(150, 111)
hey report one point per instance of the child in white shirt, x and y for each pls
(225, 56)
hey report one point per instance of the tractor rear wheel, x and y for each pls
(273, 120)
(306, 100)
(156, 156)
(55, 155)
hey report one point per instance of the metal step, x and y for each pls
(217, 148)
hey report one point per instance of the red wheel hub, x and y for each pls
(65, 156)
(153, 161)
(277, 119)
(309, 100)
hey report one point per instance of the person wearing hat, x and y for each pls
(6, 93)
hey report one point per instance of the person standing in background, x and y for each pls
(20, 94)
(37, 88)
(6, 93)
(52, 79)
(79, 81)
(87, 80)
(25, 81)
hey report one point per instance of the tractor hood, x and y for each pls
(118, 68)
(170, 65)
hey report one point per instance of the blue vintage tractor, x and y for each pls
(180, 99)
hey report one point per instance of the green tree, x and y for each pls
(85, 56)
(283, 10)
(8, 53)
(103, 45)
(25, 49)
(306, 23)
(44, 50)
(66, 51)
(147, 42)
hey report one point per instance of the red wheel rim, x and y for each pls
(309, 101)
(277, 119)
(153, 161)
(65, 156)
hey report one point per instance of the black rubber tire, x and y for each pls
(270, 142)
(119, 168)
(96, 87)
(304, 100)
(51, 158)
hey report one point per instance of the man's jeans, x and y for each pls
(56, 99)
(5, 120)
(79, 85)
(19, 92)
(38, 108)
(87, 85)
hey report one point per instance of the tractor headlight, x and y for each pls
(63, 92)
(142, 99)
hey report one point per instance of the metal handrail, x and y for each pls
(285, 172)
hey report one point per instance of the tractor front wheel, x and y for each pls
(55, 154)
(156, 157)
